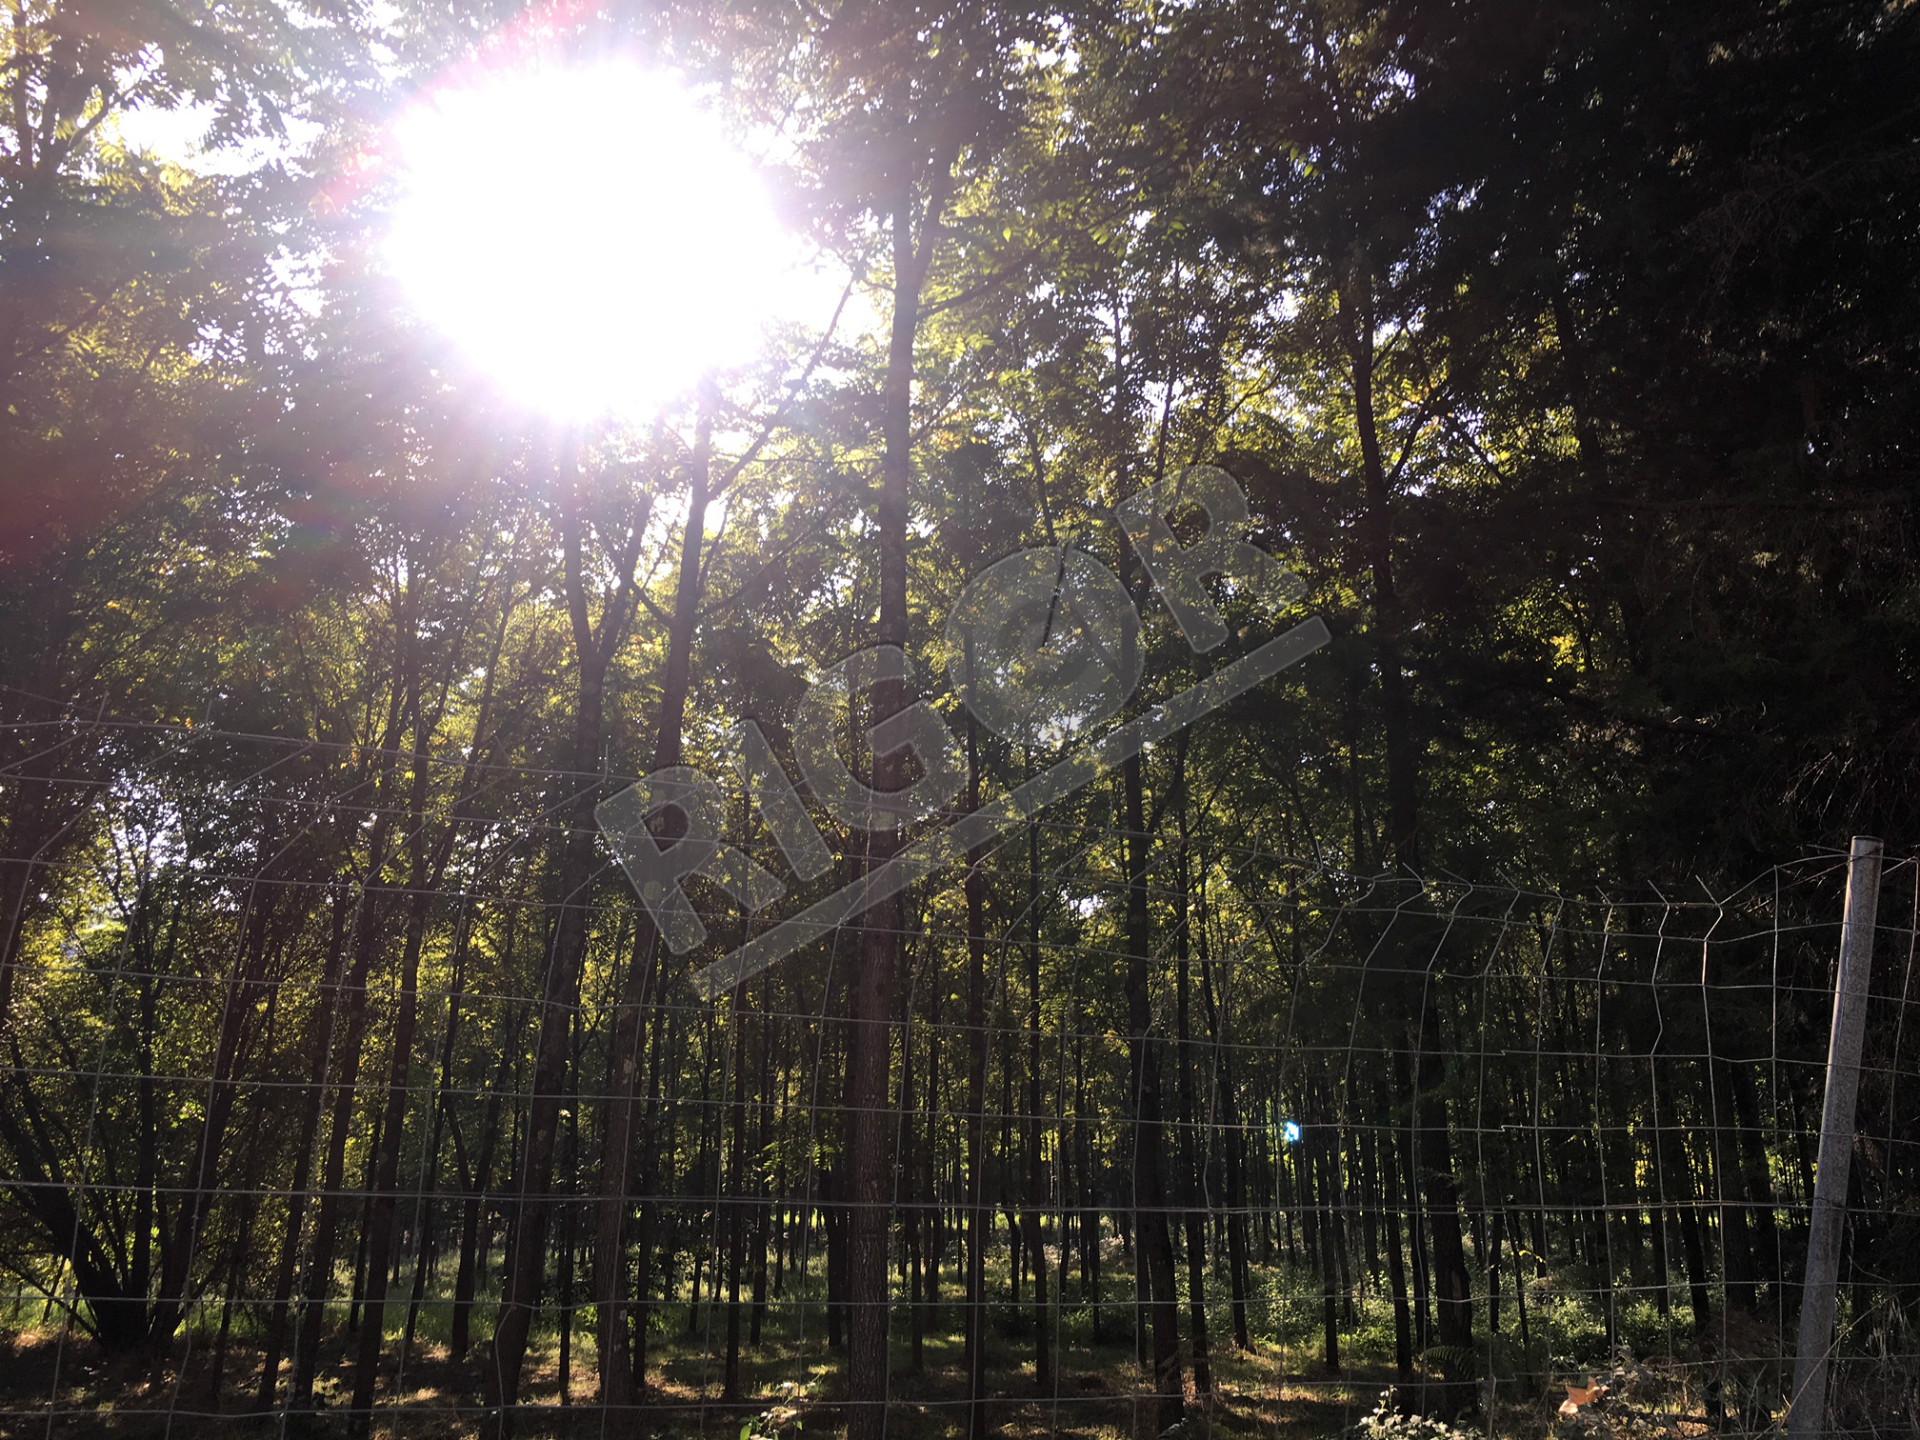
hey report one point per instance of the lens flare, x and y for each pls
(587, 237)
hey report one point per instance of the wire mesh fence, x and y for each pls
(318, 1084)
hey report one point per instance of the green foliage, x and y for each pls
(1566, 352)
(784, 1418)
(1389, 1420)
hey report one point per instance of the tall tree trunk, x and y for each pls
(1089, 1195)
(764, 1217)
(1759, 1184)
(1036, 1168)
(610, 1273)
(298, 1190)
(594, 645)
(1016, 1233)
(975, 887)
(1730, 1179)
(1234, 1140)
(736, 1198)
(569, 1225)
(1392, 1190)
(1320, 1160)
(1153, 1235)
(870, 1008)
(237, 1021)
(427, 1259)
(478, 1180)
(353, 1003)
(652, 1133)
(426, 871)
(912, 1256)
(1676, 1181)
(1433, 1153)
(933, 1231)
(381, 1204)
(1190, 1159)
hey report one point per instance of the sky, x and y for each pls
(626, 268)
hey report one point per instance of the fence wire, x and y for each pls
(1538, 1161)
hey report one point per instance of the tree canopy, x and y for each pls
(1565, 352)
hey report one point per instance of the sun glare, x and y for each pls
(586, 236)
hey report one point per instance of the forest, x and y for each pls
(430, 430)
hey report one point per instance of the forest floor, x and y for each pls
(52, 1386)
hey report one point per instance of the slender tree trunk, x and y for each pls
(912, 1256)
(380, 1211)
(1396, 1255)
(593, 646)
(1153, 1235)
(1235, 1141)
(1320, 1160)
(476, 1185)
(764, 1217)
(928, 1315)
(424, 876)
(1692, 1240)
(977, 1049)
(1496, 1226)
(531, 1211)
(734, 1198)
(1190, 1160)
(610, 1273)
(1520, 1315)
(298, 1188)
(1730, 1176)
(1366, 1182)
(1090, 1196)
(238, 1016)
(320, 1264)
(654, 1128)
(569, 1225)
(427, 1260)
(1036, 1168)
(1433, 1151)
(870, 1123)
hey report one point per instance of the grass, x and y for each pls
(1279, 1388)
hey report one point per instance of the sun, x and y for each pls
(586, 236)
